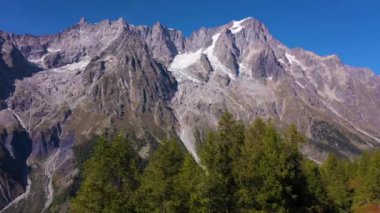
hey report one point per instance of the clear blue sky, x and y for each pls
(348, 28)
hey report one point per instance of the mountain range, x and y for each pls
(57, 91)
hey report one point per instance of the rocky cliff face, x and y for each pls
(241, 68)
(152, 82)
(13, 65)
(15, 148)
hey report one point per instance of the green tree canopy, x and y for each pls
(110, 178)
(158, 191)
(242, 169)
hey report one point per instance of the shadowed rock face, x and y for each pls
(13, 65)
(15, 148)
(151, 82)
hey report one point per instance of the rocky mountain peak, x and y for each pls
(158, 27)
(121, 21)
(82, 20)
(153, 82)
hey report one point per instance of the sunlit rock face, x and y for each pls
(151, 82)
(241, 68)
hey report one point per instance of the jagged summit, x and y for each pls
(82, 20)
(237, 26)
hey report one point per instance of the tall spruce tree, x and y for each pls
(190, 186)
(158, 192)
(335, 179)
(245, 170)
(367, 193)
(220, 150)
(109, 179)
(315, 199)
(269, 174)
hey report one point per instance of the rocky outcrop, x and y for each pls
(15, 148)
(13, 65)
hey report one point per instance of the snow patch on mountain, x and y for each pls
(294, 61)
(215, 63)
(53, 50)
(236, 25)
(184, 60)
(80, 65)
(281, 61)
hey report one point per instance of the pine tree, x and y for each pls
(109, 179)
(90, 195)
(269, 173)
(189, 186)
(220, 150)
(124, 175)
(316, 197)
(335, 179)
(159, 181)
(256, 132)
(245, 173)
(266, 162)
(368, 173)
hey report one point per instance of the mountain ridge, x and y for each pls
(93, 79)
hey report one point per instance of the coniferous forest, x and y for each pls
(243, 168)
